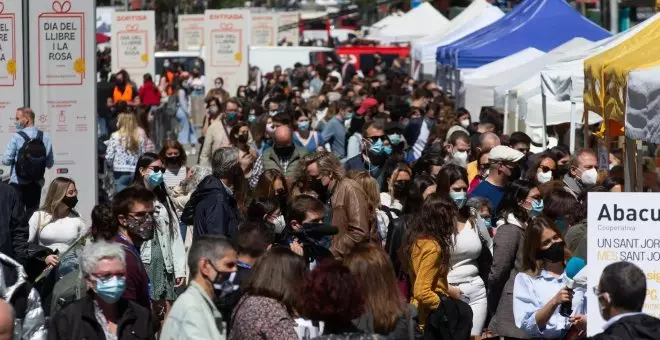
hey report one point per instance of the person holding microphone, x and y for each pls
(540, 288)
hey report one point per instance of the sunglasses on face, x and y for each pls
(544, 168)
(375, 139)
(157, 169)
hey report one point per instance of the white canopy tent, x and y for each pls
(476, 16)
(643, 105)
(415, 24)
(477, 87)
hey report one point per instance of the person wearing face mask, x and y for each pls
(304, 136)
(470, 256)
(375, 152)
(196, 83)
(507, 245)
(397, 185)
(504, 168)
(334, 131)
(218, 91)
(621, 293)
(195, 315)
(267, 210)
(187, 135)
(458, 147)
(583, 172)
(103, 313)
(217, 135)
(483, 166)
(174, 159)
(464, 119)
(238, 138)
(346, 201)
(123, 90)
(162, 255)
(542, 169)
(283, 156)
(213, 106)
(540, 283)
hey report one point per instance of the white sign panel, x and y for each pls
(133, 43)
(191, 32)
(11, 67)
(264, 29)
(63, 90)
(289, 36)
(623, 227)
(227, 36)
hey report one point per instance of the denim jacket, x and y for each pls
(171, 243)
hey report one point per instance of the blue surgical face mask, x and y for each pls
(232, 115)
(110, 290)
(19, 125)
(377, 147)
(252, 118)
(154, 178)
(348, 116)
(459, 198)
(387, 149)
(395, 138)
(537, 208)
(303, 126)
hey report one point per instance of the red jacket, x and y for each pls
(149, 94)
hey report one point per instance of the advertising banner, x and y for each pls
(291, 35)
(264, 29)
(133, 43)
(11, 67)
(623, 227)
(191, 32)
(63, 90)
(227, 36)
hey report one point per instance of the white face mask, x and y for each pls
(279, 224)
(589, 177)
(544, 177)
(461, 157)
(465, 123)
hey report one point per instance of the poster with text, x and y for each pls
(133, 43)
(63, 90)
(289, 36)
(623, 227)
(191, 32)
(11, 67)
(264, 29)
(227, 36)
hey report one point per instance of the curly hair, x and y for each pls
(437, 221)
(103, 222)
(332, 294)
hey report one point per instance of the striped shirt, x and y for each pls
(173, 177)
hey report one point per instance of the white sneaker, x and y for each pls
(193, 151)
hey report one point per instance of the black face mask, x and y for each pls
(323, 104)
(70, 201)
(242, 138)
(321, 189)
(284, 151)
(561, 171)
(173, 160)
(553, 254)
(515, 174)
(400, 188)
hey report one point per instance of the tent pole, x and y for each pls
(629, 162)
(639, 164)
(545, 123)
(506, 112)
(572, 136)
(516, 123)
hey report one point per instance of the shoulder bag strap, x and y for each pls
(40, 135)
(23, 135)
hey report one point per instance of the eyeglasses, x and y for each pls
(157, 169)
(106, 276)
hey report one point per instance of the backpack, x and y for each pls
(172, 105)
(452, 320)
(32, 157)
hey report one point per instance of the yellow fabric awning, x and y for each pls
(605, 74)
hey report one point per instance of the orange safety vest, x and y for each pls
(127, 96)
(170, 80)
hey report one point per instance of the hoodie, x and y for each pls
(633, 327)
(212, 209)
(17, 291)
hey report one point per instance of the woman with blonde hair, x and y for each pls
(124, 148)
(370, 187)
(397, 189)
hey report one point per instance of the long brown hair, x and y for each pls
(53, 203)
(278, 275)
(436, 221)
(530, 263)
(266, 181)
(373, 269)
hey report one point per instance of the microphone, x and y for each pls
(574, 276)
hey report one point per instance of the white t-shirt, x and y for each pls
(464, 255)
(58, 235)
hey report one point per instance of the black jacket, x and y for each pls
(78, 321)
(634, 327)
(212, 210)
(14, 228)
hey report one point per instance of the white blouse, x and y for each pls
(58, 235)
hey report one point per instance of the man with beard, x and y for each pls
(346, 202)
(134, 208)
(376, 148)
(504, 168)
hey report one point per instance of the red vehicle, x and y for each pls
(365, 54)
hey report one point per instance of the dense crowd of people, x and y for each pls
(322, 204)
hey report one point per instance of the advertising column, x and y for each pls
(227, 39)
(191, 32)
(264, 29)
(623, 227)
(133, 43)
(289, 36)
(63, 90)
(11, 68)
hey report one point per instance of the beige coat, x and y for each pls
(216, 137)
